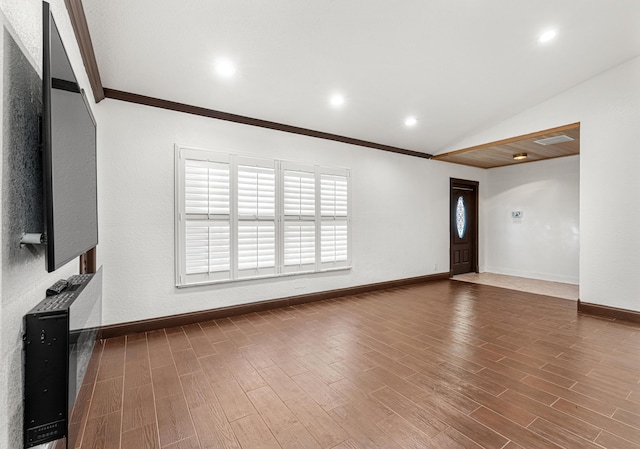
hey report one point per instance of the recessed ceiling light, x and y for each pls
(225, 68)
(547, 36)
(336, 100)
(520, 156)
(410, 121)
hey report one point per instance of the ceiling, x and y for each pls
(458, 66)
(501, 153)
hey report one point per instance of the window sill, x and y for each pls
(270, 276)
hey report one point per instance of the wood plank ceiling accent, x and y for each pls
(501, 152)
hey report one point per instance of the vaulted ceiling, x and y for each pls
(457, 66)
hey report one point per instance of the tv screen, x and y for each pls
(69, 156)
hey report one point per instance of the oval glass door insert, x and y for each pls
(461, 217)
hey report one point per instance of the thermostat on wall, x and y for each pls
(516, 214)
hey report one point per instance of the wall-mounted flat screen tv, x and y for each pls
(69, 156)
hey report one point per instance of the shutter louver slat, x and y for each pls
(256, 245)
(206, 188)
(207, 247)
(334, 242)
(334, 195)
(299, 243)
(299, 193)
(256, 192)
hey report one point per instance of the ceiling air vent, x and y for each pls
(554, 140)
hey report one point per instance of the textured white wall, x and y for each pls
(608, 107)
(545, 242)
(24, 278)
(399, 209)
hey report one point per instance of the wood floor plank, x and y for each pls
(187, 443)
(233, 399)
(145, 437)
(317, 421)
(511, 430)
(442, 391)
(560, 435)
(315, 387)
(363, 432)
(166, 381)
(137, 368)
(568, 422)
(538, 372)
(630, 419)
(252, 432)
(246, 375)
(427, 422)
(213, 429)
(215, 368)
(390, 365)
(193, 331)
(577, 398)
(178, 340)
(348, 444)
(320, 368)
(197, 390)
(103, 432)
(608, 440)
(610, 425)
(507, 409)
(186, 361)
(532, 392)
(111, 365)
(282, 384)
(159, 350)
(202, 346)
(281, 421)
(139, 408)
(213, 332)
(404, 433)
(107, 397)
(452, 439)
(174, 420)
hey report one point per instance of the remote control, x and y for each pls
(58, 287)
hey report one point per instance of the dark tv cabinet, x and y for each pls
(50, 357)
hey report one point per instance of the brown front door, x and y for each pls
(464, 226)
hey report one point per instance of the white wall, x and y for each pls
(544, 243)
(399, 210)
(608, 107)
(24, 278)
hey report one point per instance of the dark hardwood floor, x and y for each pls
(438, 365)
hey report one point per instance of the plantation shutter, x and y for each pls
(205, 242)
(334, 217)
(299, 223)
(256, 217)
(243, 217)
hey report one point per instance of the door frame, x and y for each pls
(475, 186)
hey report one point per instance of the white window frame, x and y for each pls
(283, 265)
